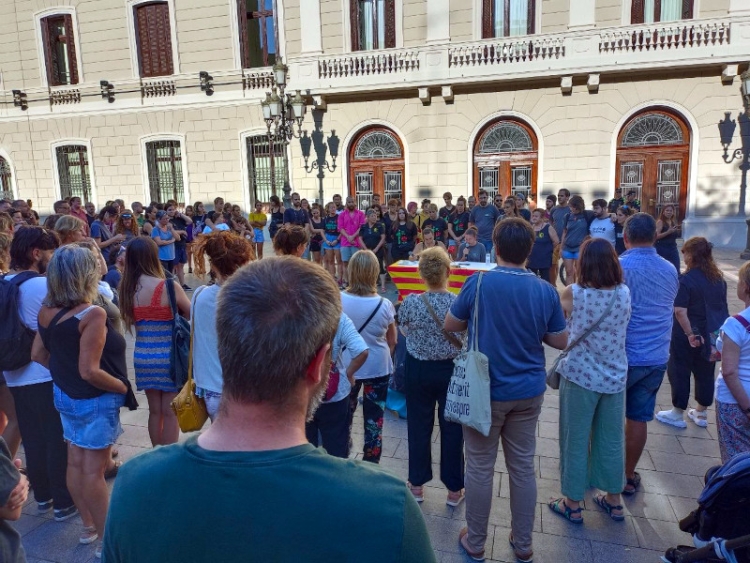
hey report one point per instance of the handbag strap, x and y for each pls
(372, 315)
(172, 298)
(475, 341)
(455, 342)
(743, 321)
(594, 326)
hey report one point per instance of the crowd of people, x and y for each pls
(627, 316)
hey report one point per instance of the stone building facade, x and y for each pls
(103, 98)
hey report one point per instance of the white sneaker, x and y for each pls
(699, 417)
(672, 418)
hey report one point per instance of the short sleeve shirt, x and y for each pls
(405, 235)
(424, 336)
(459, 222)
(733, 329)
(514, 349)
(439, 228)
(371, 235)
(359, 309)
(350, 221)
(484, 218)
(295, 216)
(706, 302)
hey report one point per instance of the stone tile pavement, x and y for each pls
(672, 468)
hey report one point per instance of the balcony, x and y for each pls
(600, 50)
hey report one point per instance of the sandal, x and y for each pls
(601, 500)
(632, 485)
(699, 417)
(475, 555)
(455, 498)
(567, 512)
(111, 473)
(417, 492)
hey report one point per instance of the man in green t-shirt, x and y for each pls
(251, 488)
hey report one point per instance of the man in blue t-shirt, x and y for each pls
(251, 488)
(483, 218)
(653, 287)
(517, 374)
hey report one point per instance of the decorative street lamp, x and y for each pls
(315, 140)
(282, 110)
(727, 127)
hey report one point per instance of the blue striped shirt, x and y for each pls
(653, 287)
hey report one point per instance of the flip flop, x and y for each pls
(601, 500)
(633, 484)
(567, 512)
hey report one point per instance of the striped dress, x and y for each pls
(153, 342)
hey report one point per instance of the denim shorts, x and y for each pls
(642, 386)
(91, 424)
(325, 248)
(258, 235)
(212, 400)
(347, 252)
(180, 254)
(568, 255)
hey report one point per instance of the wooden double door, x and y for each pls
(382, 177)
(659, 178)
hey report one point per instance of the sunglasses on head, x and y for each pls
(126, 216)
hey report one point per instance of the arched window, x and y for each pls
(652, 160)
(376, 166)
(6, 187)
(506, 159)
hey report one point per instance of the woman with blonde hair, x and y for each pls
(145, 305)
(86, 358)
(429, 366)
(227, 252)
(70, 229)
(700, 309)
(5, 241)
(733, 383)
(375, 320)
(6, 223)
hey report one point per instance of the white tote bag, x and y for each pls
(468, 399)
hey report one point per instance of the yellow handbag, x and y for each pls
(190, 410)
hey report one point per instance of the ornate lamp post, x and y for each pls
(727, 128)
(315, 140)
(281, 111)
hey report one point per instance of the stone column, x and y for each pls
(438, 21)
(582, 14)
(311, 36)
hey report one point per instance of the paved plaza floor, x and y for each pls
(672, 468)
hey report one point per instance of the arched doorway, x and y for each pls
(653, 153)
(376, 166)
(506, 159)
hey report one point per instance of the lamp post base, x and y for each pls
(746, 253)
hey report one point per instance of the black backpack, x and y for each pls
(15, 337)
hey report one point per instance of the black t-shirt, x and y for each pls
(438, 226)
(179, 224)
(388, 222)
(332, 225)
(706, 302)
(317, 225)
(460, 222)
(444, 212)
(371, 235)
(404, 236)
(295, 216)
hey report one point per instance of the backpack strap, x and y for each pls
(743, 321)
(24, 276)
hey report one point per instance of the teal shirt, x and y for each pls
(182, 503)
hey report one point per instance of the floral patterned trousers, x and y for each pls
(373, 406)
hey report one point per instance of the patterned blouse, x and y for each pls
(424, 337)
(599, 362)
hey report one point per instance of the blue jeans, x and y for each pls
(488, 245)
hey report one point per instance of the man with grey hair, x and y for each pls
(653, 287)
(267, 494)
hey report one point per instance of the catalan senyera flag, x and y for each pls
(405, 275)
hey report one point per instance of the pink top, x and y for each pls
(350, 221)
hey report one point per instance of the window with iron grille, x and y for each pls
(267, 167)
(59, 50)
(507, 18)
(373, 24)
(153, 39)
(165, 180)
(257, 25)
(73, 171)
(6, 189)
(651, 11)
